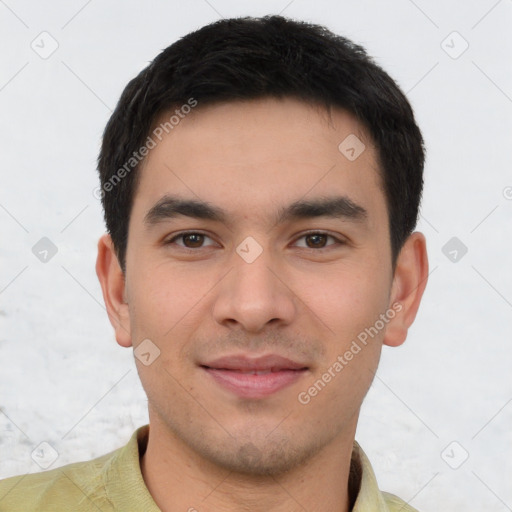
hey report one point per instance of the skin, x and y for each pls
(306, 299)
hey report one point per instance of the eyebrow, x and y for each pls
(337, 207)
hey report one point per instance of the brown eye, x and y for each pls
(318, 240)
(194, 240)
(190, 239)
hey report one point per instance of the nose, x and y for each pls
(254, 294)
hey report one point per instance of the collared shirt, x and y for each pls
(114, 482)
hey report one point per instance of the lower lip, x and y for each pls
(248, 385)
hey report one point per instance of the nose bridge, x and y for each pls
(252, 266)
(252, 294)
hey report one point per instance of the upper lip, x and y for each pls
(244, 362)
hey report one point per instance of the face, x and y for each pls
(288, 257)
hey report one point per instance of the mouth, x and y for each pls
(254, 377)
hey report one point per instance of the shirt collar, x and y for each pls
(122, 476)
(363, 478)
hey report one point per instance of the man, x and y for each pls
(261, 182)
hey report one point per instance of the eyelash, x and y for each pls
(339, 242)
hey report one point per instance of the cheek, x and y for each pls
(350, 305)
(347, 300)
(164, 299)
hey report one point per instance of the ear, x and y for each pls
(112, 282)
(409, 282)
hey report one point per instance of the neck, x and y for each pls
(179, 479)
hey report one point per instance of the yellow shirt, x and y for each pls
(113, 482)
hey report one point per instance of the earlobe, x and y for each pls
(112, 282)
(409, 282)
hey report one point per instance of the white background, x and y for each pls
(63, 378)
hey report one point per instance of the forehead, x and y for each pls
(254, 156)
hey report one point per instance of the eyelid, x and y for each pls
(340, 240)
